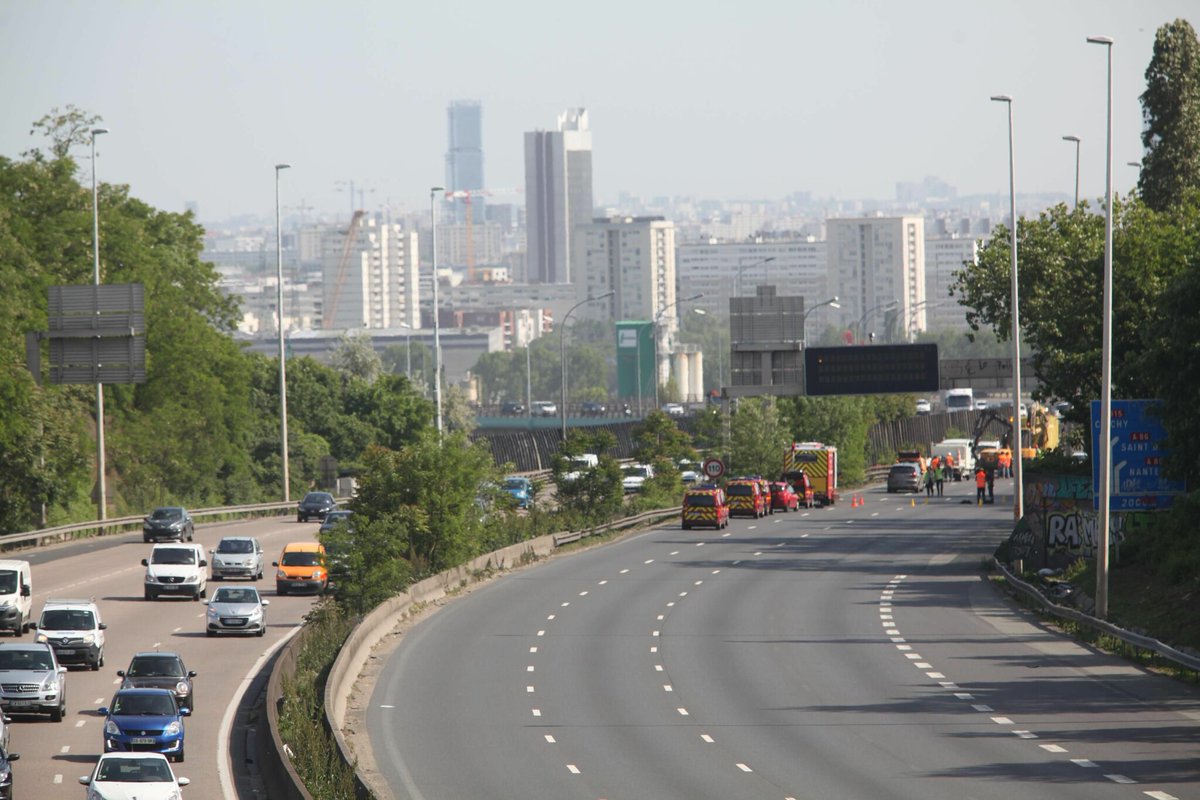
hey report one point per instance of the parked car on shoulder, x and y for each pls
(315, 505)
(145, 776)
(237, 557)
(161, 669)
(144, 720)
(168, 522)
(32, 681)
(236, 609)
(904, 477)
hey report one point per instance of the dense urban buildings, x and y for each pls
(558, 196)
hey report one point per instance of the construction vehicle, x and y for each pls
(1039, 430)
(819, 463)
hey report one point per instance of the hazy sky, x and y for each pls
(743, 100)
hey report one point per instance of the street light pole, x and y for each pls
(562, 356)
(1076, 140)
(862, 321)
(657, 317)
(831, 302)
(1105, 454)
(737, 277)
(1018, 471)
(283, 431)
(101, 483)
(437, 331)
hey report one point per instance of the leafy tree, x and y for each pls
(838, 421)
(1171, 115)
(368, 560)
(355, 356)
(595, 495)
(658, 437)
(457, 414)
(759, 438)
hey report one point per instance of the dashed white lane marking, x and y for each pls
(602, 583)
(1053, 748)
(673, 553)
(1026, 734)
(744, 768)
(965, 696)
(98, 701)
(81, 723)
(177, 630)
(537, 712)
(662, 616)
(529, 668)
(157, 645)
(654, 649)
(752, 527)
(1160, 796)
(1084, 762)
(118, 680)
(697, 583)
(899, 639)
(1120, 779)
(873, 513)
(982, 709)
(935, 676)
(950, 685)
(549, 738)
(386, 706)
(683, 712)
(529, 690)
(699, 544)
(551, 616)
(667, 687)
(58, 778)
(65, 749)
(705, 737)
(583, 593)
(533, 649)
(541, 633)
(671, 604)
(737, 562)
(716, 572)
(648, 561)
(564, 605)
(913, 656)
(683, 594)
(904, 647)
(624, 571)
(574, 769)
(759, 553)
(654, 633)
(726, 535)
(658, 667)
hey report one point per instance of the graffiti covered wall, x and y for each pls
(1059, 526)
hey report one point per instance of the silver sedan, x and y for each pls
(236, 609)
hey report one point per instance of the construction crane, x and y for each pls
(465, 195)
(329, 315)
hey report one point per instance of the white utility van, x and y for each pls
(72, 626)
(176, 569)
(960, 400)
(16, 595)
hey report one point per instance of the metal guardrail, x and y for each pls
(1145, 642)
(624, 522)
(121, 524)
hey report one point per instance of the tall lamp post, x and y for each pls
(831, 302)
(101, 484)
(737, 276)
(1018, 482)
(283, 431)
(1105, 453)
(862, 321)
(1076, 140)
(437, 331)
(657, 317)
(562, 355)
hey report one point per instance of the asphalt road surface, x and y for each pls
(54, 755)
(848, 653)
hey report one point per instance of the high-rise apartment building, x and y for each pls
(464, 157)
(877, 264)
(719, 270)
(558, 196)
(945, 255)
(372, 283)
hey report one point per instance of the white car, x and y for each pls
(543, 408)
(924, 406)
(236, 609)
(146, 776)
(674, 410)
(981, 404)
(635, 475)
(176, 569)
(237, 557)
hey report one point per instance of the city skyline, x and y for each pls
(753, 103)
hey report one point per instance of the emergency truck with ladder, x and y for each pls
(819, 463)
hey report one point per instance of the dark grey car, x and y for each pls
(904, 477)
(315, 505)
(159, 669)
(168, 522)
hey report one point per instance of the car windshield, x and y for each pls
(740, 489)
(134, 770)
(36, 660)
(155, 667)
(67, 619)
(167, 513)
(8, 582)
(227, 595)
(706, 500)
(235, 546)
(634, 472)
(317, 498)
(144, 705)
(306, 559)
(173, 555)
(515, 483)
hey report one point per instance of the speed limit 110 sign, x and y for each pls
(713, 467)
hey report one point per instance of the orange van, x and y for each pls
(301, 568)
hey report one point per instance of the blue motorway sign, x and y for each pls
(1137, 457)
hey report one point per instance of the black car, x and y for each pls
(594, 409)
(512, 409)
(168, 522)
(161, 670)
(6, 777)
(315, 505)
(334, 518)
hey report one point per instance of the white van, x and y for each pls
(16, 595)
(176, 569)
(960, 400)
(74, 629)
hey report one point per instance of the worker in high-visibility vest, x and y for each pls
(980, 484)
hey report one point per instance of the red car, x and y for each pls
(784, 496)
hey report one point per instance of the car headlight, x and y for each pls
(192, 579)
(181, 688)
(150, 578)
(50, 683)
(318, 574)
(280, 574)
(212, 613)
(111, 728)
(172, 729)
(89, 638)
(256, 612)
(42, 638)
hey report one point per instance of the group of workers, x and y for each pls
(939, 469)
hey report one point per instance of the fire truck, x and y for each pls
(819, 463)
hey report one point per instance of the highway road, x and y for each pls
(850, 653)
(54, 755)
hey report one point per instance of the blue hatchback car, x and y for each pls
(144, 720)
(521, 490)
